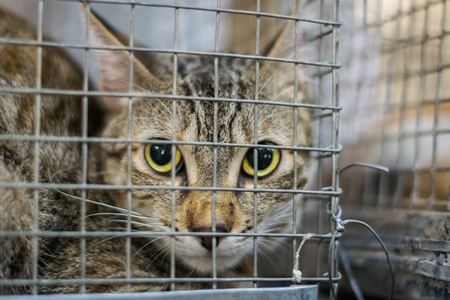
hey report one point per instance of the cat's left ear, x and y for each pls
(117, 70)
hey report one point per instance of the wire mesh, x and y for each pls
(397, 61)
(74, 248)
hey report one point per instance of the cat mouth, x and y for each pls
(205, 263)
(194, 255)
(220, 253)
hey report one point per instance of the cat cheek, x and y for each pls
(116, 178)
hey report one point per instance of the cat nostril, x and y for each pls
(207, 241)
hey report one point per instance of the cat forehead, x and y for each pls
(231, 79)
(207, 76)
(190, 64)
(228, 109)
(203, 120)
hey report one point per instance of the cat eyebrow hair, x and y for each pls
(121, 149)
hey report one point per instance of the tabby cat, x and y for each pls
(153, 185)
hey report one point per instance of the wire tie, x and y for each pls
(296, 273)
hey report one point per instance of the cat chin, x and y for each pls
(195, 257)
(203, 265)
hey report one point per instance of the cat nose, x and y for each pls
(207, 241)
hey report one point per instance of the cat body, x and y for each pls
(60, 115)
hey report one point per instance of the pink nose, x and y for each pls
(207, 241)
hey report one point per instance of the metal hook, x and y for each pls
(367, 165)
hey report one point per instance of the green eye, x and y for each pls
(268, 160)
(159, 158)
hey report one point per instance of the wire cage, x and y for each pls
(78, 210)
(396, 78)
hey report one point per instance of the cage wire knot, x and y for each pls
(340, 227)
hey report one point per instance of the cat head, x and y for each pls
(192, 183)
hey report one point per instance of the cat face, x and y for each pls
(172, 182)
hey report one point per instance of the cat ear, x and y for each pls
(114, 65)
(285, 44)
(288, 45)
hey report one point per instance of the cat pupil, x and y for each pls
(161, 154)
(265, 157)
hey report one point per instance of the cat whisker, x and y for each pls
(169, 85)
(112, 229)
(270, 244)
(273, 222)
(261, 77)
(169, 111)
(98, 203)
(268, 79)
(266, 256)
(281, 214)
(113, 215)
(190, 273)
(280, 94)
(272, 75)
(251, 113)
(268, 223)
(289, 88)
(283, 209)
(52, 176)
(106, 214)
(124, 215)
(139, 224)
(145, 217)
(146, 244)
(168, 114)
(161, 249)
(134, 223)
(280, 241)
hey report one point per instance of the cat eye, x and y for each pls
(159, 158)
(268, 160)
